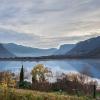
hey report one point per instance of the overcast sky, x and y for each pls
(48, 23)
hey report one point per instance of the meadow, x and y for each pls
(20, 94)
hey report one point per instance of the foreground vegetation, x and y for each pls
(19, 94)
(66, 87)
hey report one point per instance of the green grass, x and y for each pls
(19, 94)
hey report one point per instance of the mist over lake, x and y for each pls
(65, 66)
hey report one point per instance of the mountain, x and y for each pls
(4, 52)
(88, 48)
(95, 53)
(64, 49)
(24, 51)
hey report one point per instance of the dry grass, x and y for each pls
(20, 94)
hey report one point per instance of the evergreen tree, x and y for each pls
(22, 74)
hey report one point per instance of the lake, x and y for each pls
(75, 65)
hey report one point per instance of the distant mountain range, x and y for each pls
(87, 48)
(24, 51)
(64, 49)
(4, 52)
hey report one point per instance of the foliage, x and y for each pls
(72, 84)
(39, 73)
(22, 74)
(25, 85)
(8, 78)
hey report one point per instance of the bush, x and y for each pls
(25, 85)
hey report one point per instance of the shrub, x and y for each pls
(25, 85)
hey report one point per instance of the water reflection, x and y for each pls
(56, 65)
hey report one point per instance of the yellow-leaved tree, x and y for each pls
(40, 73)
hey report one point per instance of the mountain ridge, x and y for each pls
(4, 52)
(86, 48)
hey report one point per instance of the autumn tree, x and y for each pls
(8, 78)
(40, 73)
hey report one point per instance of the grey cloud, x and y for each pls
(12, 36)
(58, 19)
(39, 41)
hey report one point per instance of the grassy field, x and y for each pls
(19, 94)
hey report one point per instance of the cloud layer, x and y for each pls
(48, 23)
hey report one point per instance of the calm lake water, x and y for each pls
(55, 65)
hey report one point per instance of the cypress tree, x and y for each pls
(94, 91)
(22, 74)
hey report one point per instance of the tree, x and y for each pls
(8, 78)
(39, 73)
(22, 74)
